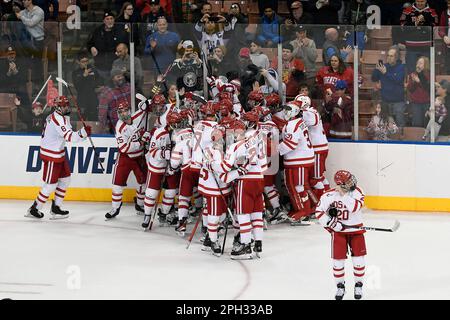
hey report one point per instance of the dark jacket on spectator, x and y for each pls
(444, 25)
(327, 14)
(105, 43)
(45, 4)
(87, 96)
(340, 126)
(418, 37)
(135, 19)
(392, 82)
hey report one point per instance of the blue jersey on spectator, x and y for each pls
(392, 82)
(165, 50)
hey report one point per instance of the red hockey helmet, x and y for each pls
(237, 125)
(225, 107)
(123, 110)
(251, 116)
(62, 105)
(256, 96)
(273, 100)
(173, 119)
(208, 109)
(345, 179)
(225, 95)
(158, 99)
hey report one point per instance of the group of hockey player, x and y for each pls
(223, 164)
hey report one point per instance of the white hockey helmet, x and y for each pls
(291, 110)
(304, 100)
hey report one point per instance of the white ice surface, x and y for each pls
(85, 257)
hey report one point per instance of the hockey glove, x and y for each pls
(146, 137)
(242, 170)
(166, 154)
(87, 131)
(332, 211)
(334, 224)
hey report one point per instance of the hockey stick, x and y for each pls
(191, 236)
(74, 100)
(42, 89)
(393, 229)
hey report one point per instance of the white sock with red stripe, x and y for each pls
(117, 193)
(245, 228)
(43, 195)
(339, 271)
(205, 216)
(150, 200)
(213, 225)
(198, 199)
(258, 225)
(273, 195)
(167, 200)
(60, 192)
(326, 184)
(140, 194)
(359, 268)
(183, 206)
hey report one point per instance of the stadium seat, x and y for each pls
(8, 111)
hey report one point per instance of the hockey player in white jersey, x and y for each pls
(339, 211)
(298, 159)
(320, 145)
(56, 173)
(130, 129)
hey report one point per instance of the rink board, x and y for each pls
(393, 176)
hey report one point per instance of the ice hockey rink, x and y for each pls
(86, 257)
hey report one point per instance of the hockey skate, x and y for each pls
(236, 242)
(57, 213)
(139, 209)
(146, 222)
(340, 291)
(181, 227)
(258, 248)
(204, 233)
(242, 252)
(113, 213)
(299, 222)
(216, 249)
(33, 212)
(206, 243)
(278, 216)
(358, 290)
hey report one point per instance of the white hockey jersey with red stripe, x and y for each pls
(248, 153)
(57, 131)
(296, 148)
(212, 183)
(182, 152)
(161, 121)
(315, 128)
(155, 157)
(201, 140)
(129, 137)
(270, 138)
(349, 208)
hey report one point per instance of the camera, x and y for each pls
(214, 18)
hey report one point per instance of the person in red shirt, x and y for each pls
(328, 76)
(419, 91)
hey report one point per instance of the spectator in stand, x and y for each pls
(33, 19)
(419, 91)
(6, 8)
(86, 81)
(210, 29)
(237, 37)
(202, 8)
(262, 5)
(440, 108)
(418, 39)
(150, 14)
(244, 61)
(391, 10)
(129, 18)
(102, 44)
(268, 28)
(293, 71)
(14, 76)
(356, 15)
(258, 58)
(271, 84)
(109, 99)
(305, 49)
(339, 111)
(391, 78)
(331, 46)
(381, 125)
(45, 6)
(444, 33)
(161, 46)
(123, 63)
(325, 12)
(296, 17)
(328, 76)
(219, 64)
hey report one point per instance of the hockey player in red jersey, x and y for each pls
(130, 136)
(298, 159)
(245, 161)
(56, 174)
(339, 211)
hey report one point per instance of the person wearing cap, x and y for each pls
(103, 41)
(13, 73)
(257, 56)
(338, 112)
(305, 49)
(151, 12)
(244, 60)
(297, 16)
(160, 47)
(267, 30)
(110, 97)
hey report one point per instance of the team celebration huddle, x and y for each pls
(210, 162)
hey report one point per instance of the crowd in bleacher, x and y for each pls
(239, 40)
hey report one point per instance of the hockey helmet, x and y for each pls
(174, 119)
(291, 110)
(123, 111)
(257, 98)
(305, 101)
(251, 118)
(225, 95)
(345, 180)
(62, 105)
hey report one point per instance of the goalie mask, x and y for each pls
(123, 111)
(62, 105)
(291, 110)
(345, 180)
